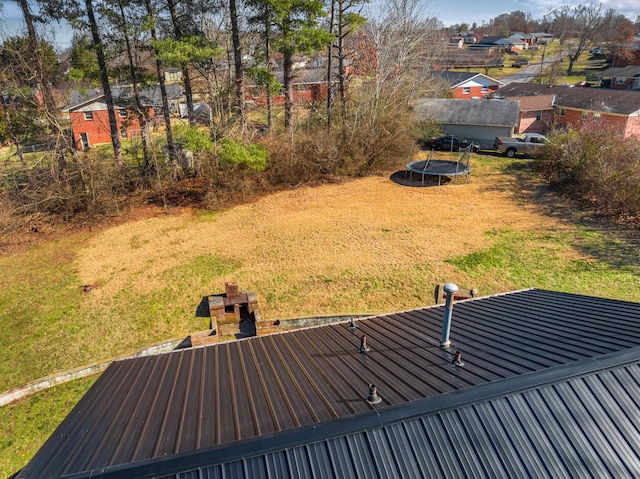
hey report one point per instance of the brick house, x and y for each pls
(309, 85)
(536, 113)
(467, 85)
(90, 119)
(613, 109)
(621, 78)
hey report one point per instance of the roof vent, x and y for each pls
(450, 289)
(363, 344)
(457, 360)
(373, 397)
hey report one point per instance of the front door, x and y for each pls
(84, 139)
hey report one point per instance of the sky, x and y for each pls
(448, 11)
(452, 12)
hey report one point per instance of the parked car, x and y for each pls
(583, 84)
(520, 62)
(512, 52)
(453, 143)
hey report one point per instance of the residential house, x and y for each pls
(309, 85)
(457, 42)
(488, 41)
(621, 78)
(466, 85)
(519, 41)
(634, 47)
(542, 38)
(531, 383)
(90, 120)
(172, 75)
(477, 120)
(616, 110)
(536, 113)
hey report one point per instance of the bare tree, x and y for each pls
(586, 21)
(618, 33)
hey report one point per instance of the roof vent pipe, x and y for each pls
(450, 289)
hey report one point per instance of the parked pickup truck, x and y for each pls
(528, 144)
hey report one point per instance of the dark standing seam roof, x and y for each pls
(585, 427)
(203, 405)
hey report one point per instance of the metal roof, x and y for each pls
(588, 426)
(475, 112)
(297, 392)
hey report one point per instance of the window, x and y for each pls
(621, 81)
(560, 111)
(585, 115)
(485, 89)
(596, 116)
(122, 113)
(538, 115)
(466, 90)
(88, 115)
(123, 132)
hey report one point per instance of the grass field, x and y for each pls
(362, 246)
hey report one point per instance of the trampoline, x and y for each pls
(440, 168)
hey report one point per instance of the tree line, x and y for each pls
(376, 62)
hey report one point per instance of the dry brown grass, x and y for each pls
(341, 248)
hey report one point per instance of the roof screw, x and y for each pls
(363, 344)
(457, 360)
(373, 397)
(353, 324)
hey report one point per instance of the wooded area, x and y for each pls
(237, 58)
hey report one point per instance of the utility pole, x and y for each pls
(544, 49)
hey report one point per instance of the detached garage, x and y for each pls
(477, 120)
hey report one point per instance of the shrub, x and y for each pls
(252, 155)
(595, 165)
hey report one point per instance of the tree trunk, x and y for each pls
(18, 144)
(237, 60)
(140, 109)
(341, 66)
(113, 124)
(330, 66)
(48, 102)
(288, 92)
(177, 31)
(166, 112)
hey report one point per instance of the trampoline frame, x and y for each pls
(440, 168)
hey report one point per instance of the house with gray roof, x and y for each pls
(616, 110)
(531, 383)
(621, 78)
(89, 119)
(477, 120)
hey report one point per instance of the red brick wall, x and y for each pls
(474, 92)
(97, 128)
(620, 124)
(311, 93)
(527, 122)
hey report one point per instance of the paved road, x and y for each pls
(528, 73)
